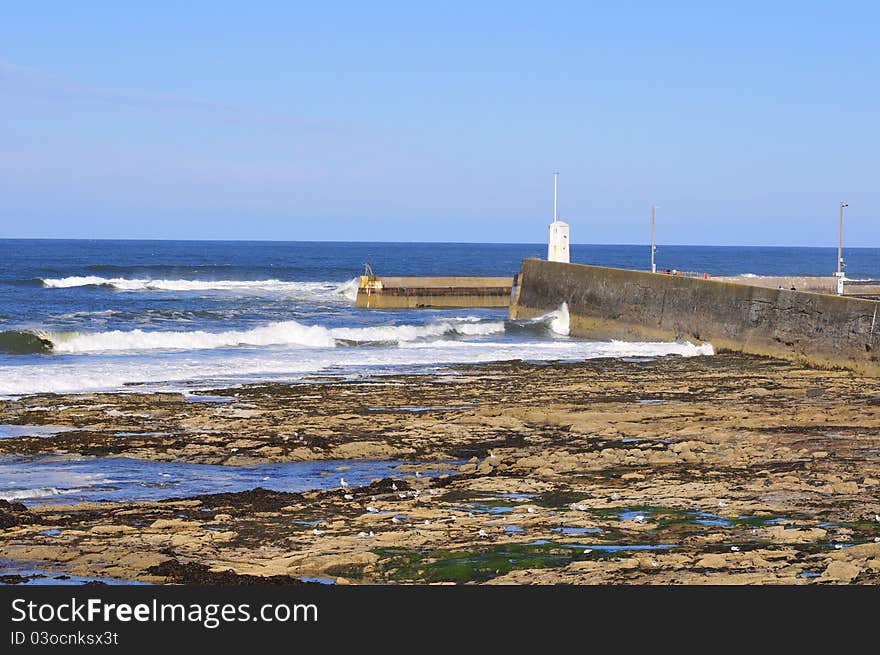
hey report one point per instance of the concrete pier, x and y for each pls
(608, 303)
(812, 284)
(375, 292)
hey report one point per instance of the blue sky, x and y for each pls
(747, 123)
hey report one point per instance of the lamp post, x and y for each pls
(840, 241)
(653, 247)
(840, 250)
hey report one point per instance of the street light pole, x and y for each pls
(840, 241)
(653, 247)
(840, 250)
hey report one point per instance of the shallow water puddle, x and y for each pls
(11, 431)
(575, 531)
(487, 503)
(318, 580)
(420, 409)
(15, 573)
(713, 520)
(48, 479)
(206, 398)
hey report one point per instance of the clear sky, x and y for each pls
(747, 123)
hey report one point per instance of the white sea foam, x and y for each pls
(347, 289)
(284, 333)
(559, 320)
(41, 492)
(209, 369)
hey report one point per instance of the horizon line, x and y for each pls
(474, 243)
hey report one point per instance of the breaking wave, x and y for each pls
(18, 342)
(41, 492)
(283, 333)
(347, 289)
(555, 322)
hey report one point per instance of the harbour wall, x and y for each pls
(609, 303)
(381, 292)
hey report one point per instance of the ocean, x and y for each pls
(81, 316)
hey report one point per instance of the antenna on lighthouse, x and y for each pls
(557, 246)
(555, 206)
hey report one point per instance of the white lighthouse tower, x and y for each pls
(557, 246)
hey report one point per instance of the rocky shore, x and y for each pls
(722, 469)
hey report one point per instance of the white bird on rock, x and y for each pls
(343, 483)
(317, 532)
(348, 497)
(735, 549)
(482, 533)
(371, 509)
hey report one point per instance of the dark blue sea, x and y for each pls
(189, 315)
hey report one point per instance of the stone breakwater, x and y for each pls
(609, 303)
(724, 469)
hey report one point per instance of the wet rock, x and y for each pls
(12, 514)
(713, 561)
(840, 572)
(177, 572)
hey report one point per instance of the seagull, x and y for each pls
(482, 533)
(317, 532)
(639, 518)
(371, 509)
(722, 503)
(530, 510)
(366, 534)
(427, 522)
(401, 495)
(393, 486)
(735, 549)
(394, 519)
(348, 497)
(343, 483)
(234, 450)
(877, 517)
